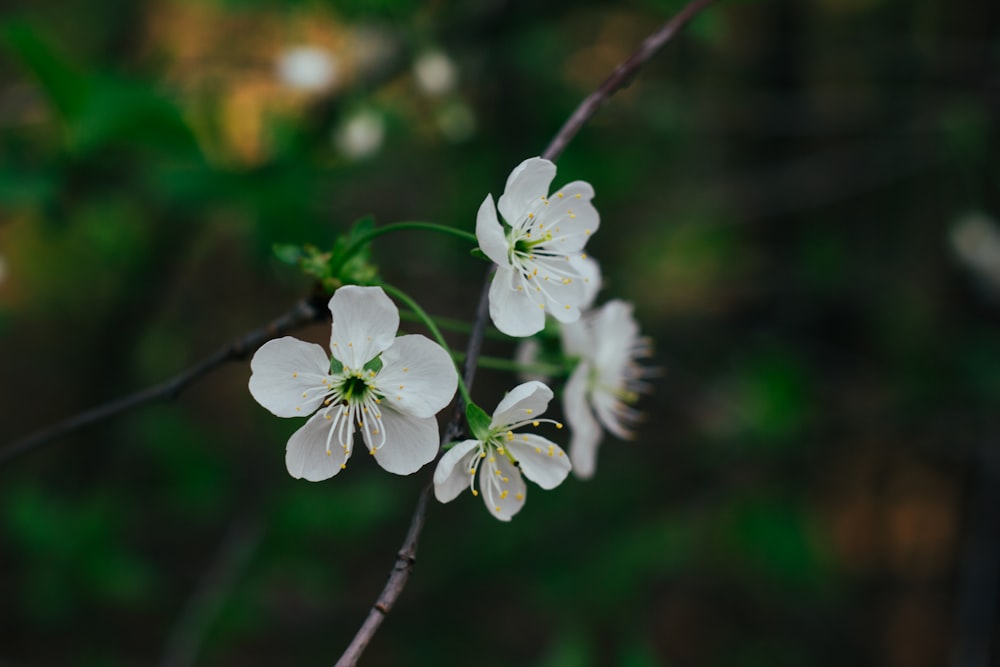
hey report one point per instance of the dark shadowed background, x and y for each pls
(800, 198)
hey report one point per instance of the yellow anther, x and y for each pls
(560, 452)
(500, 451)
(328, 452)
(535, 272)
(350, 345)
(577, 195)
(566, 306)
(534, 423)
(475, 493)
(503, 494)
(531, 216)
(328, 417)
(520, 496)
(542, 306)
(497, 508)
(498, 472)
(482, 455)
(572, 215)
(587, 232)
(372, 452)
(400, 386)
(558, 424)
(472, 472)
(375, 432)
(529, 411)
(378, 400)
(298, 409)
(305, 394)
(567, 281)
(525, 438)
(538, 450)
(583, 255)
(343, 466)
(493, 459)
(406, 369)
(295, 375)
(560, 195)
(520, 289)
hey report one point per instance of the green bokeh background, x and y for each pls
(780, 191)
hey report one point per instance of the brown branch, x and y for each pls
(621, 77)
(238, 348)
(407, 554)
(406, 557)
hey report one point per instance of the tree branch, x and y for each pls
(406, 557)
(621, 77)
(303, 313)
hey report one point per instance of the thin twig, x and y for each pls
(206, 604)
(621, 78)
(303, 313)
(408, 552)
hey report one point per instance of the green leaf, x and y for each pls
(479, 421)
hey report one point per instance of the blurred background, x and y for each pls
(800, 198)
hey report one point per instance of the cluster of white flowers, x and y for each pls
(388, 389)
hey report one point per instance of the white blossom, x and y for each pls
(502, 455)
(307, 68)
(388, 389)
(539, 252)
(605, 382)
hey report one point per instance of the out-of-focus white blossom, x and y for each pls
(361, 135)
(435, 73)
(307, 68)
(975, 240)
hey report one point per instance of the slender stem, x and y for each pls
(429, 323)
(621, 77)
(451, 324)
(360, 242)
(404, 561)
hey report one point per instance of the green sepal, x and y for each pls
(336, 367)
(479, 422)
(479, 254)
(375, 365)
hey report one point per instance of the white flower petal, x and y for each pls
(502, 487)
(570, 217)
(575, 337)
(563, 297)
(418, 377)
(523, 402)
(490, 233)
(541, 460)
(410, 442)
(585, 432)
(365, 322)
(452, 475)
(287, 376)
(526, 185)
(513, 310)
(590, 273)
(305, 455)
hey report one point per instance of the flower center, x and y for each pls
(352, 405)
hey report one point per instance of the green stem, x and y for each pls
(429, 323)
(359, 242)
(496, 363)
(449, 324)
